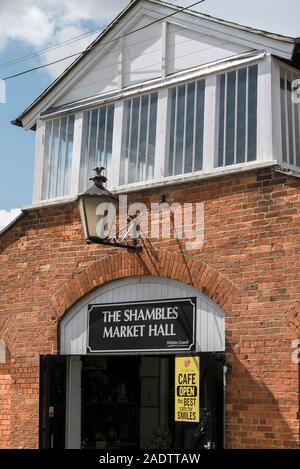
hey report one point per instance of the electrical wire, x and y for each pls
(50, 48)
(57, 45)
(62, 44)
(86, 51)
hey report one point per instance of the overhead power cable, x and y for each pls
(86, 51)
(50, 48)
(57, 45)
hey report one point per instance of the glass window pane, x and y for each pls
(54, 158)
(297, 133)
(290, 119)
(283, 118)
(252, 113)
(60, 175)
(125, 146)
(172, 95)
(186, 120)
(132, 162)
(180, 121)
(199, 125)
(58, 150)
(141, 170)
(92, 141)
(47, 158)
(83, 176)
(221, 79)
(69, 152)
(139, 135)
(189, 134)
(290, 122)
(101, 138)
(237, 116)
(241, 116)
(97, 141)
(152, 136)
(109, 139)
(230, 118)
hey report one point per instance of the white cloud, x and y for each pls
(42, 24)
(24, 21)
(6, 216)
(70, 11)
(62, 35)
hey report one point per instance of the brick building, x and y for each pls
(200, 112)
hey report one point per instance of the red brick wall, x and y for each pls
(249, 264)
(5, 406)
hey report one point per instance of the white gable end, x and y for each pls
(187, 48)
(101, 78)
(142, 53)
(139, 58)
(135, 59)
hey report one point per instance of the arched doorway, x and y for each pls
(125, 398)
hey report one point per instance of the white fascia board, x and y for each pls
(12, 222)
(156, 84)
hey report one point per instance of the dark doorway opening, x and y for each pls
(127, 402)
(110, 406)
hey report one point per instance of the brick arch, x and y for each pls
(293, 318)
(191, 271)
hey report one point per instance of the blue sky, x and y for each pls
(30, 25)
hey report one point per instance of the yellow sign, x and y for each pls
(187, 386)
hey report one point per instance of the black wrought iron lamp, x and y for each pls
(98, 208)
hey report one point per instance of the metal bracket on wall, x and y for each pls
(115, 244)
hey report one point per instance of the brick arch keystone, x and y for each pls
(293, 318)
(191, 271)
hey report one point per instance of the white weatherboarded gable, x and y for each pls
(187, 48)
(101, 78)
(210, 321)
(142, 53)
(140, 57)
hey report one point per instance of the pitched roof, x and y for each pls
(62, 76)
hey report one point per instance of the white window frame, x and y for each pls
(267, 127)
(280, 68)
(37, 197)
(264, 149)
